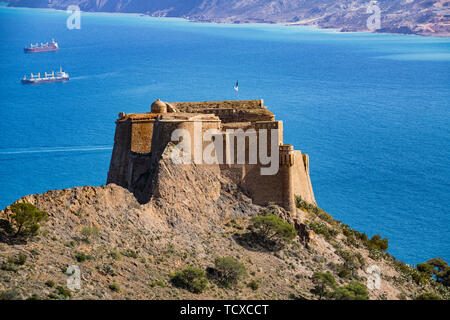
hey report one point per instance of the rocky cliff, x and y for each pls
(426, 17)
(126, 250)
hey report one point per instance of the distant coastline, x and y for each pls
(408, 20)
(200, 21)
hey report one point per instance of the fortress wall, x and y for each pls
(229, 111)
(286, 168)
(118, 168)
(270, 125)
(141, 136)
(233, 115)
(301, 179)
(143, 168)
(262, 189)
(141, 139)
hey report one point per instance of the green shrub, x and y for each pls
(324, 216)
(428, 296)
(353, 291)
(9, 265)
(115, 287)
(21, 259)
(71, 243)
(229, 271)
(12, 263)
(254, 285)
(130, 254)
(344, 271)
(377, 243)
(158, 283)
(436, 268)
(115, 254)
(375, 254)
(322, 283)
(272, 230)
(426, 268)
(107, 269)
(88, 233)
(81, 257)
(321, 228)
(191, 279)
(12, 294)
(301, 204)
(418, 277)
(63, 292)
(364, 237)
(53, 295)
(353, 237)
(50, 283)
(27, 218)
(402, 296)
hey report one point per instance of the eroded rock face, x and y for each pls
(193, 185)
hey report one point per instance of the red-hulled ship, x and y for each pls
(43, 47)
(49, 77)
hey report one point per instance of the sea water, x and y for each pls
(371, 110)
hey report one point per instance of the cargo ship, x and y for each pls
(43, 47)
(49, 77)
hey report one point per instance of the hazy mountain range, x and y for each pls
(427, 17)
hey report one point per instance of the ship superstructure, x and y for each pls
(48, 77)
(43, 47)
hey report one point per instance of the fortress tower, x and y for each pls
(140, 140)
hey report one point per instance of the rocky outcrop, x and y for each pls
(427, 17)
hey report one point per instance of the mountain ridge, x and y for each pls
(424, 17)
(128, 250)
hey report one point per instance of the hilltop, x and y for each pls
(425, 17)
(128, 250)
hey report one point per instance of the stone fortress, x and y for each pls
(141, 139)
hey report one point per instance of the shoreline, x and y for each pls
(337, 30)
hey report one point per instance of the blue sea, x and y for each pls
(371, 110)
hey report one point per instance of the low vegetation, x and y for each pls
(272, 231)
(60, 293)
(89, 233)
(24, 220)
(115, 287)
(352, 291)
(436, 269)
(253, 284)
(428, 296)
(191, 279)
(132, 262)
(228, 272)
(12, 294)
(324, 284)
(13, 263)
